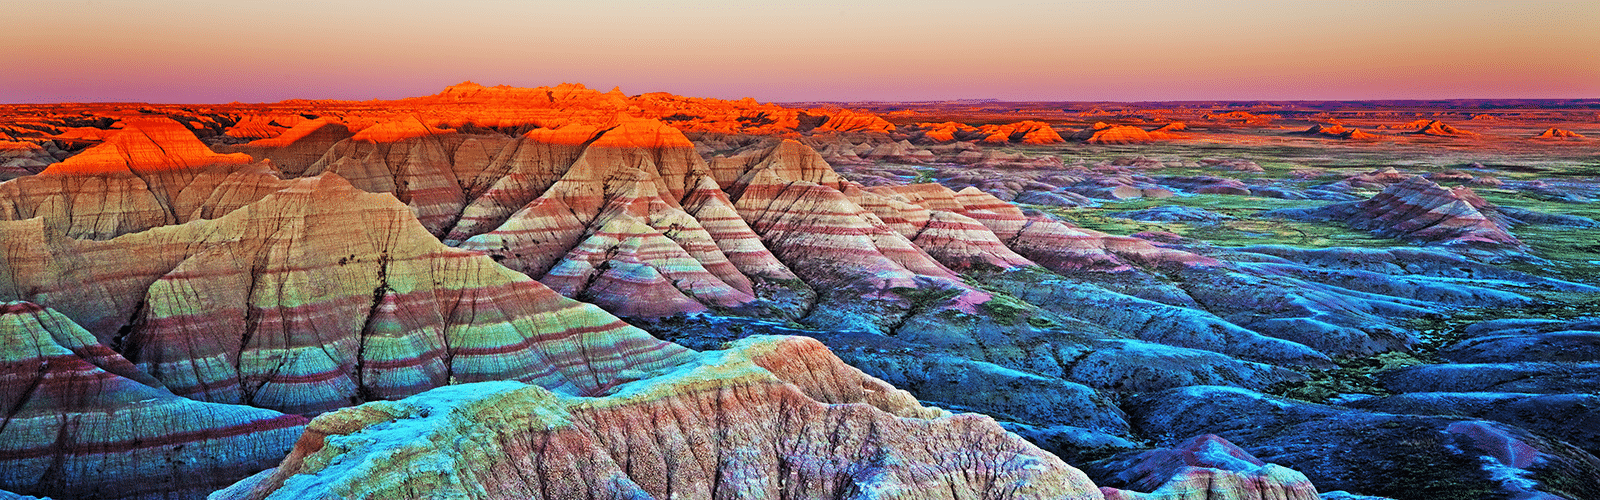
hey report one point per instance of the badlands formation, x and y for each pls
(559, 292)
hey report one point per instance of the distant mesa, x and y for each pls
(1022, 132)
(83, 134)
(1169, 131)
(260, 127)
(1414, 125)
(1339, 131)
(1026, 132)
(1239, 117)
(1434, 128)
(1438, 128)
(1556, 134)
(1172, 127)
(1105, 133)
(850, 121)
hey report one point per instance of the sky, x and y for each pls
(209, 51)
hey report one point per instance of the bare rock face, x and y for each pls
(257, 127)
(1419, 210)
(1557, 134)
(771, 417)
(1169, 131)
(517, 175)
(80, 421)
(1340, 131)
(316, 297)
(1205, 467)
(20, 158)
(794, 202)
(611, 227)
(845, 120)
(1023, 132)
(946, 132)
(127, 184)
(298, 147)
(1337, 447)
(413, 160)
(1436, 128)
(1104, 133)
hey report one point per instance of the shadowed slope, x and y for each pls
(82, 422)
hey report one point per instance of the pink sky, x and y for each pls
(192, 51)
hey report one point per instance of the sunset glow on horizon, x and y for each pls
(189, 51)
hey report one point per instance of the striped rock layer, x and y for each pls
(1416, 209)
(315, 297)
(616, 217)
(772, 417)
(81, 421)
(131, 182)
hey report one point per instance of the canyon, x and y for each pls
(560, 292)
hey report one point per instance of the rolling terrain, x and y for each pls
(559, 292)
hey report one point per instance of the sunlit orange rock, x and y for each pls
(1553, 133)
(258, 127)
(944, 132)
(298, 147)
(1339, 131)
(1104, 133)
(144, 146)
(1169, 131)
(1024, 132)
(853, 121)
(1240, 117)
(1441, 129)
(127, 184)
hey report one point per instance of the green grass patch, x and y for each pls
(926, 297)
(1006, 309)
(1244, 230)
(1573, 253)
(1354, 375)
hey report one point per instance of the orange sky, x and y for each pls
(254, 50)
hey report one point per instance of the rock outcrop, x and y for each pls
(129, 183)
(365, 253)
(315, 297)
(1419, 210)
(773, 417)
(1557, 134)
(1105, 133)
(1436, 128)
(1339, 131)
(1205, 467)
(81, 421)
(1336, 447)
